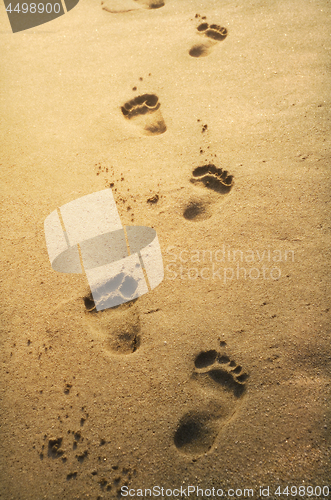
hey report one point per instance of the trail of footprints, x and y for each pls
(143, 111)
(217, 374)
(225, 382)
(211, 33)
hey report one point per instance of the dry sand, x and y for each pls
(205, 381)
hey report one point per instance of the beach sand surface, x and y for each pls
(219, 377)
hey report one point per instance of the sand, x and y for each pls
(220, 377)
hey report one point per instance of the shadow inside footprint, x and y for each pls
(125, 341)
(205, 358)
(213, 178)
(195, 434)
(199, 51)
(213, 33)
(155, 4)
(89, 303)
(227, 380)
(145, 111)
(196, 210)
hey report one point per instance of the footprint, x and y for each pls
(213, 34)
(118, 6)
(118, 329)
(200, 207)
(118, 290)
(145, 113)
(213, 178)
(223, 381)
(197, 209)
(54, 447)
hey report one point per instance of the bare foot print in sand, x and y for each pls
(223, 382)
(118, 329)
(144, 112)
(212, 34)
(118, 6)
(213, 178)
